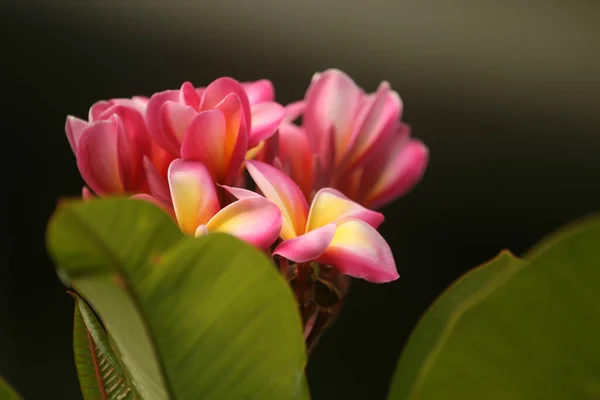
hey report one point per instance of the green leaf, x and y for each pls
(100, 374)
(92, 243)
(529, 332)
(440, 316)
(7, 392)
(192, 318)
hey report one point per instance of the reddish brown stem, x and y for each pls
(301, 276)
(283, 267)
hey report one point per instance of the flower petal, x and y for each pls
(125, 158)
(161, 159)
(236, 139)
(332, 102)
(259, 91)
(154, 120)
(324, 165)
(266, 117)
(193, 193)
(218, 138)
(150, 199)
(379, 115)
(205, 141)
(138, 103)
(331, 206)
(255, 220)
(219, 89)
(350, 182)
(240, 193)
(395, 172)
(97, 157)
(176, 119)
(98, 108)
(86, 193)
(281, 190)
(296, 153)
(200, 91)
(141, 102)
(255, 151)
(73, 128)
(188, 96)
(266, 151)
(136, 135)
(157, 185)
(358, 250)
(201, 230)
(307, 247)
(294, 110)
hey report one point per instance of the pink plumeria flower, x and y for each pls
(346, 136)
(334, 231)
(215, 125)
(111, 145)
(197, 211)
(343, 123)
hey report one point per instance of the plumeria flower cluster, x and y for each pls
(228, 158)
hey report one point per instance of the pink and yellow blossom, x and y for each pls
(334, 230)
(195, 206)
(215, 125)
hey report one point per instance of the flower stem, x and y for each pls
(301, 284)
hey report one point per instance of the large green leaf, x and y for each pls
(100, 374)
(206, 318)
(93, 244)
(529, 332)
(440, 316)
(7, 392)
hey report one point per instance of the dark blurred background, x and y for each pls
(505, 93)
